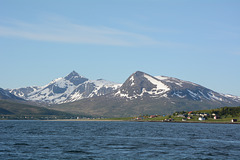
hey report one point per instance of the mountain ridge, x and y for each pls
(4, 94)
(74, 87)
(66, 89)
(141, 93)
(162, 86)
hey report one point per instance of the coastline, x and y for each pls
(112, 120)
(197, 122)
(82, 120)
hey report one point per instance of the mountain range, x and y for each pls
(141, 93)
(16, 107)
(4, 94)
(71, 88)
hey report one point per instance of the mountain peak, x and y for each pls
(138, 73)
(75, 78)
(72, 74)
(141, 84)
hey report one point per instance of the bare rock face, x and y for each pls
(5, 94)
(141, 93)
(67, 89)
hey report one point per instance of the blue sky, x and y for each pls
(197, 41)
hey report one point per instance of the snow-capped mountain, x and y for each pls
(23, 92)
(71, 88)
(4, 94)
(141, 93)
(140, 85)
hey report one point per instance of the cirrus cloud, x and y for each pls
(74, 33)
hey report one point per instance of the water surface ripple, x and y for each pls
(117, 140)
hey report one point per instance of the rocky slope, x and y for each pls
(71, 88)
(140, 85)
(6, 95)
(142, 93)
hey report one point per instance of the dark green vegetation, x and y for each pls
(17, 110)
(224, 111)
(220, 115)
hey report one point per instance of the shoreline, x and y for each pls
(83, 120)
(197, 122)
(112, 120)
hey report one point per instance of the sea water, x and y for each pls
(117, 140)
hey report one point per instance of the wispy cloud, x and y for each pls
(74, 33)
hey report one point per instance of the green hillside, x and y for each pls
(219, 115)
(223, 112)
(115, 107)
(14, 110)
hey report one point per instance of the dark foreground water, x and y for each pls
(118, 140)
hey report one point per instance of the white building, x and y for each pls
(201, 119)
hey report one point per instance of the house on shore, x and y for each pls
(152, 116)
(216, 117)
(201, 118)
(181, 115)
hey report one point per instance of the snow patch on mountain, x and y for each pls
(170, 80)
(179, 94)
(214, 97)
(192, 93)
(139, 85)
(159, 85)
(67, 89)
(5, 94)
(125, 95)
(175, 81)
(236, 98)
(132, 80)
(103, 83)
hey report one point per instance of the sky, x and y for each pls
(197, 41)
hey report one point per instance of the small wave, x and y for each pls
(78, 152)
(5, 150)
(9, 127)
(21, 144)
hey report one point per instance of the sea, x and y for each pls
(54, 140)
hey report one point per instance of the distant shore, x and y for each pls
(73, 120)
(197, 122)
(113, 120)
